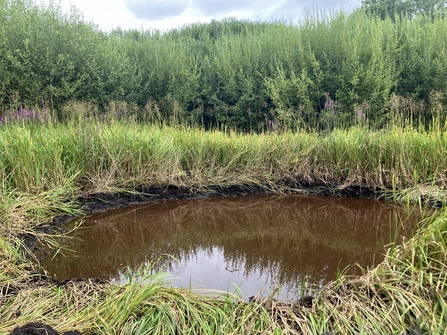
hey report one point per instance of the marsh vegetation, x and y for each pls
(338, 101)
(46, 168)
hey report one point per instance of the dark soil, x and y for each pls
(37, 328)
(101, 202)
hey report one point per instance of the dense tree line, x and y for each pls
(339, 68)
(406, 8)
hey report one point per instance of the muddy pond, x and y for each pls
(249, 245)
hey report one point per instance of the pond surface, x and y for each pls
(252, 243)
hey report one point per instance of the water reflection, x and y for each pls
(256, 241)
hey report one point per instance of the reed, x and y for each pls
(58, 161)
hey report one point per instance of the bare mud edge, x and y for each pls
(100, 202)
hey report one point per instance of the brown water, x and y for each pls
(251, 242)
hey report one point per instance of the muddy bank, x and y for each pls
(37, 282)
(96, 203)
(37, 328)
(101, 202)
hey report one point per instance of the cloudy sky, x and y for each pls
(167, 14)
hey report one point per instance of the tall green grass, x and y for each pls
(91, 157)
(46, 168)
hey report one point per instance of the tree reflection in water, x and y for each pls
(257, 240)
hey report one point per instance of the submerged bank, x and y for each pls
(47, 170)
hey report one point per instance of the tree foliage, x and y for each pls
(404, 8)
(326, 71)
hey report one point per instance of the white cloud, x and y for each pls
(168, 14)
(156, 9)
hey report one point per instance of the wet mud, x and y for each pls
(37, 328)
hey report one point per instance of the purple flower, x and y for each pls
(360, 114)
(273, 124)
(330, 105)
